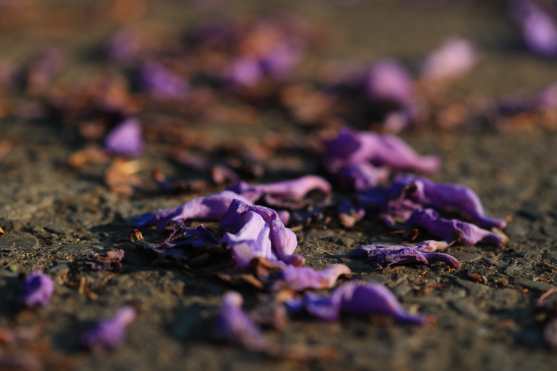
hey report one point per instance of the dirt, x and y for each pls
(485, 312)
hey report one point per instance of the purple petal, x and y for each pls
(538, 29)
(125, 139)
(448, 197)
(392, 254)
(253, 230)
(212, 207)
(288, 190)
(244, 72)
(109, 333)
(355, 298)
(351, 147)
(157, 80)
(234, 325)
(452, 60)
(302, 278)
(453, 229)
(123, 46)
(388, 82)
(361, 176)
(37, 289)
(280, 61)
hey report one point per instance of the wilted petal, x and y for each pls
(212, 207)
(109, 333)
(538, 29)
(355, 298)
(279, 61)
(453, 229)
(361, 176)
(159, 81)
(125, 139)
(447, 197)
(260, 226)
(37, 289)
(392, 254)
(287, 190)
(351, 147)
(389, 83)
(234, 325)
(452, 60)
(302, 278)
(244, 72)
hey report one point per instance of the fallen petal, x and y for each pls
(125, 139)
(109, 333)
(302, 278)
(37, 289)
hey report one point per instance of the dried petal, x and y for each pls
(125, 139)
(538, 29)
(257, 231)
(447, 197)
(453, 229)
(109, 333)
(234, 325)
(350, 147)
(284, 191)
(393, 254)
(212, 207)
(388, 83)
(355, 298)
(452, 60)
(160, 82)
(302, 278)
(37, 289)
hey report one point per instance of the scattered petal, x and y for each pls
(37, 289)
(212, 207)
(125, 139)
(356, 298)
(394, 254)
(388, 83)
(162, 83)
(234, 325)
(452, 229)
(538, 29)
(303, 278)
(452, 60)
(109, 333)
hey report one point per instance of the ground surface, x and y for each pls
(52, 215)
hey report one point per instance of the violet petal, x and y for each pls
(211, 207)
(355, 298)
(450, 61)
(244, 72)
(448, 197)
(453, 229)
(288, 190)
(361, 176)
(538, 29)
(388, 82)
(393, 254)
(37, 289)
(302, 278)
(159, 81)
(125, 139)
(234, 325)
(109, 333)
